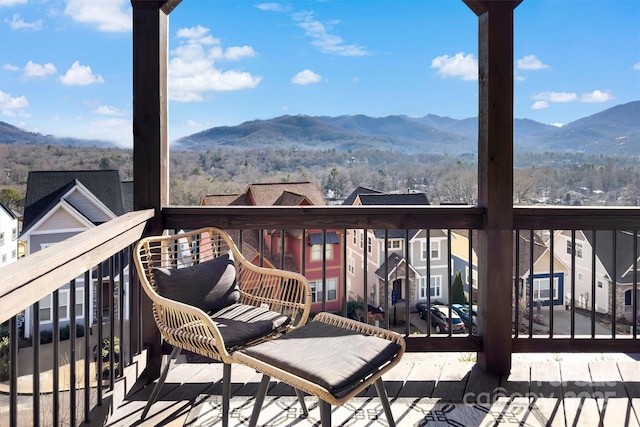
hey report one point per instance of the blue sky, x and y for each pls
(65, 65)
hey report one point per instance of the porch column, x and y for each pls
(495, 180)
(150, 144)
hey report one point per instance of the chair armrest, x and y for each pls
(189, 328)
(283, 291)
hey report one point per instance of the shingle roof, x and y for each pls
(623, 253)
(413, 199)
(266, 194)
(219, 199)
(9, 211)
(288, 198)
(359, 190)
(44, 188)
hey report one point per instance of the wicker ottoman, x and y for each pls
(330, 357)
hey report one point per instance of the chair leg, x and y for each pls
(226, 393)
(384, 399)
(257, 405)
(325, 413)
(300, 395)
(163, 376)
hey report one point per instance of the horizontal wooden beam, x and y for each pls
(577, 218)
(31, 278)
(328, 217)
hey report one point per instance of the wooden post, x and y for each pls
(150, 136)
(495, 180)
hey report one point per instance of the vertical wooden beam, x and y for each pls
(495, 180)
(150, 145)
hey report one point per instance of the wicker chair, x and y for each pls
(270, 301)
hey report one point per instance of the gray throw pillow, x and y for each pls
(210, 285)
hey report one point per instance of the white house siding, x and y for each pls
(88, 207)
(583, 271)
(9, 244)
(61, 220)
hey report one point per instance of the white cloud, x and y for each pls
(322, 38)
(636, 66)
(18, 23)
(193, 70)
(108, 110)
(10, 67)
(555, 96)
(540, 105)
(306, 77)
(37, 70)
(551, 96)
(13, 106)
(118, 130)
(80, 75)
(11, 2)
(272, 7)
(460, 65)
(531, 62)
(596, 96)
(108, 15)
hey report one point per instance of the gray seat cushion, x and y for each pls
(240, 324)
(332, 357)
(209, 285)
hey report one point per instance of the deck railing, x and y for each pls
(26, 282)
(68, 380)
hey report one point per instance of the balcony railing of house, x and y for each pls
(99, 256)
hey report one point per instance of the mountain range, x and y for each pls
(614, 131)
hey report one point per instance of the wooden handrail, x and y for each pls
(31, 278)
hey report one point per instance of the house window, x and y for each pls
(46, 303)
(351, 266)
(14, 233)
(541, 291)
(474, 277)
(280, 242)
(355, 237)
(422, 288)
(14, 253)
(316, 252)
(369, 244)
(1, 238)
(600, 284)
(361, 239)
(435, 250)
(394, 244)
(316, 290)
(581, 277)
(4, 257)
(578, 247)
(435, 283)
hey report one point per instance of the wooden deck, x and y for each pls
(424, 389)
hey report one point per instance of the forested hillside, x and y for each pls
(553, 178)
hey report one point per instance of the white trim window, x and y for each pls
(14, 233)
(351, 266)
(316, 290)
(474, 276)
(1, 238)
(434, 250)
(578, 246)
(46, 304)
(541, 291)
(316, 252)
(362, 240)
(355, 237)
(422, 287)
(369, 245)
(435, 283)
(394, 244)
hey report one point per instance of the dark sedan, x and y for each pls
(439, 319)
(470, 318)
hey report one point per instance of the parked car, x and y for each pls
(470, 319)
(439, 319)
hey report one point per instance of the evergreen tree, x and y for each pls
(457, 290)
